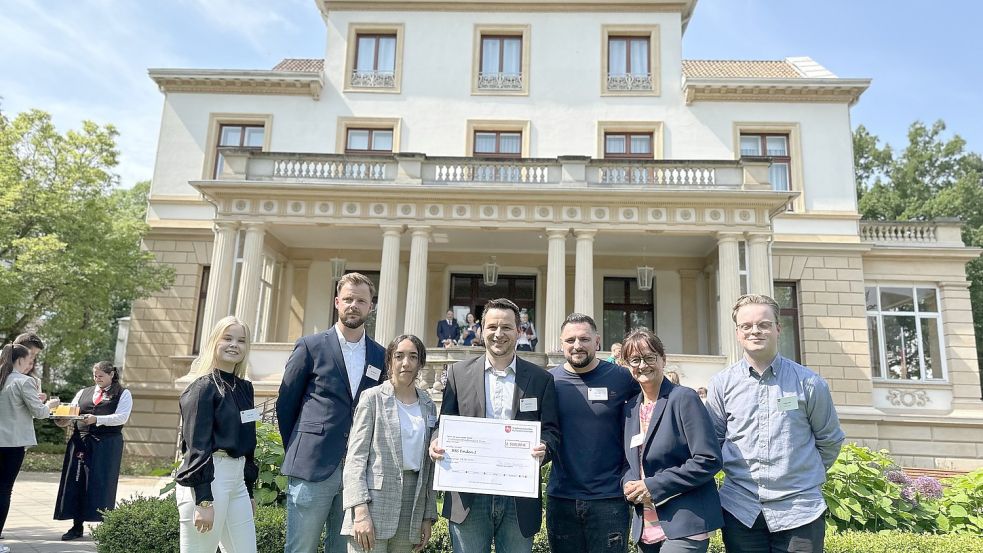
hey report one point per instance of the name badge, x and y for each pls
(636, 440)
(597, 394)
(249, 415)
(431, 421)
(788, 403)
(528, 404)
(373, 372)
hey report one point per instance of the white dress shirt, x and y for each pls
(499, 391)
(118, 418)
(354, 353)
(411, 430)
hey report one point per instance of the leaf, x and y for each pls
(943, 523)
(281, 482)
(266, 477)
(958, 511)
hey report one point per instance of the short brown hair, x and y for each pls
(29, 340)
(356, 279)
(505, 304)
(636, 337)
(760, 299)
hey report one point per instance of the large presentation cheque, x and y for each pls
(488, 456)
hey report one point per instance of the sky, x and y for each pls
(88, 59)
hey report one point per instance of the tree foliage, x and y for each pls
(933, 177)
(70, 256)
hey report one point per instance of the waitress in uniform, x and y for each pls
(90, 471)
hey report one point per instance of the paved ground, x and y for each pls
(29, 527)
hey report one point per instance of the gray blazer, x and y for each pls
(375, 456)
(19, 403)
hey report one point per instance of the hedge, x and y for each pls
(151, 524)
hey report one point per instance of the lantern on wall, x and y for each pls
(491, 272)
(645, 276)
(337, 268)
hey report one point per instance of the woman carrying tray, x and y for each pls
(90, 471)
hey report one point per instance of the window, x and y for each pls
(775, 146)
(375, 58)
(786, 295)
(200, 313)
(470, 291)
(237, 269)
(369, 141)
(375, 61)
(626, 307)
(497, 144)
(742, 269)
(628, 145)
(234, 136)
(501, 63)
(904, 329)
(630, 55)
(265, 324)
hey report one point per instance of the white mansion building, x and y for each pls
(564, 155)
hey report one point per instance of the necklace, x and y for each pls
(231, 388)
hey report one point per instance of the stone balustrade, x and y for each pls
(943, 232)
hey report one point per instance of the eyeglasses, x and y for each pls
(649, 360)
(763, 326)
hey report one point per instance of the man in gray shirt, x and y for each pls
(779, 434)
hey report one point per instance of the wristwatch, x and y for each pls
(204, 504)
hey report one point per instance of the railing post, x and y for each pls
(573, 170)
(409, 168)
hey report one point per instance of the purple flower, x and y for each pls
(897, 476)
(928, 487)
(909, 494)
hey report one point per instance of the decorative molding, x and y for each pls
(846, 91)
(226, 81)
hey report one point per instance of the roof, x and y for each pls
(788, 68)
(300, 64)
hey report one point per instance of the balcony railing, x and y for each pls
(629, 82)
(943, 232)
(499, 81)
(560, 172)
(373, 79)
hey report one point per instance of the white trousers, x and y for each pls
(234, 527)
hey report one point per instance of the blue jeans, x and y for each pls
(310, 507)
(589, 526)
(491, 517)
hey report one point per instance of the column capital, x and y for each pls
(420, 230)
(301, 264)
(220, 226)
(254, 226)
(389, 230)
(585, 234)
(758, 237)
(689, 273)
(729, 236)
(555, 232)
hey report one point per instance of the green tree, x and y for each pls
(70, 256)
(933, 177)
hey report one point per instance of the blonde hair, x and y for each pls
(205, 363)
(761, 299)
(356, 279)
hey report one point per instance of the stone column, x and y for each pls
(729, 286)
(219, 278)
(556, 293)
(689, 323)
(759, 264)
(298, 303)
(385, 317)
(583, 283)
(416, 286)
(247, 303)
(285, 302)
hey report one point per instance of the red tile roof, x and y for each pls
(748, 69)
(300, 64)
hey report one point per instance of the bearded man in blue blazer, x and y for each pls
(323, 379)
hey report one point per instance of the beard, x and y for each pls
(353, 319)
(588, 359)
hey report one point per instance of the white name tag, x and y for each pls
(431, 421)
(249, 415)
(636, 440)
(528, 404)
(597, 394)
(373, 372)
(788, 403)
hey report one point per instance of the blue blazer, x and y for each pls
(315, 407)
(681, 455)
(447, 331)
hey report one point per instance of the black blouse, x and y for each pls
(211, 422)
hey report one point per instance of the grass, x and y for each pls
(49, 458)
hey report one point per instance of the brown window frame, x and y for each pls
(629, 154)
(628, 39)
(763, 143)
(626, 306)
(200, 310)
(242, 141)
(375, 53)
(498, 145)
(501, 50)
(794, 312)
(371, 132)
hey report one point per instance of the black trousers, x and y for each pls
(11, 458)
(808, 538)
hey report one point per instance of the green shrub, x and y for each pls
(139, 524)
(272, 486)
(961, 507)
(902, 542)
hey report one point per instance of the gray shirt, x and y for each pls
(775, 451)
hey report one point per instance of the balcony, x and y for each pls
(373, 79)
(929, 234)
(629, 82)
(539, 173)
(499, 81)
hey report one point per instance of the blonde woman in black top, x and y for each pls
(215, 481)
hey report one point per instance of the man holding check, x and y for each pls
(498, 385)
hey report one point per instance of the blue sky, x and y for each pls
(88, 59)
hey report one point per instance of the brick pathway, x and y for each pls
(29, 527)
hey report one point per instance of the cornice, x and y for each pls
(846, 91)
(227, 81)
(683, 7)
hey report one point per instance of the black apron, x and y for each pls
(90, 472)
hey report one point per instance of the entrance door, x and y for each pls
(469, 293)
(625, 307)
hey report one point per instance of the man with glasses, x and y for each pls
(779, 434)
(586, 511)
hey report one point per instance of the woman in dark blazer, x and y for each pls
(672, 454)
